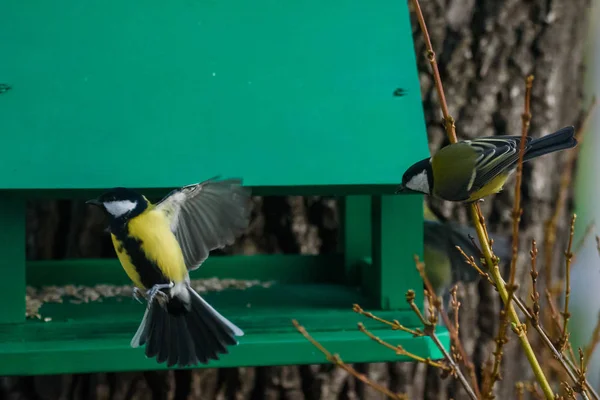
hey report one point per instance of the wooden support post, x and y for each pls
(397, 233)
(12, 259)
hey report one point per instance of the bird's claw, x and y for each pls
(156, 290)
(138, 295)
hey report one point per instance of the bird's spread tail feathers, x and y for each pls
(195, 336)
(562, 139)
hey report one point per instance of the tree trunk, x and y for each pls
(485, 48)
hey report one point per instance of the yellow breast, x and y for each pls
(493, 186)
(158, 244)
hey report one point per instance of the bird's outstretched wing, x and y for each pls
(446, 236)
(207, 216)
(496, 154)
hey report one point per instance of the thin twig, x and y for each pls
(459, 374)
(590, 389)
(448, 120)
(476, 246)
(553, 311)
(399, 350)
(433, 304)
(587, 233)
(535, 295)
(455, 307)
(395, 325)
(410, 298)
(568, 390)
(566, 314)
(520, 390)
(555, 315)
(500, 340)
(336, 360)
(462, 354)
(471, 261)
(581, 381)
(486, 377)
(533, 389)
(594, 340)
(517, 210)
(464, 358)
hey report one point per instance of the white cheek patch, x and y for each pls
(419, 183)
(121, 207)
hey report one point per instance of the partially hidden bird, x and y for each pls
(469, 170)
(444, 264)
(158, 244)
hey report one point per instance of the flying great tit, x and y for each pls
(469, 170)
(158, 244)
(444, 264)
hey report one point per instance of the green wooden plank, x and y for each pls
(154, 194)
(12, 262)
(282, 268)
(166, 94)
(87, 356)
(356, 231)
(95, 337)
(397, 237)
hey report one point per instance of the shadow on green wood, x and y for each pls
(283, 268)
(12, 261)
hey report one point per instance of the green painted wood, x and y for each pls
(155, 194)
(95, 337)
(163, 95)
(397, 232)
(273, 267)
(356, 231)
(12, 262)
(155, 94)
(254, 350)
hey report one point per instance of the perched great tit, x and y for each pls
(158, 244)
(472, 169)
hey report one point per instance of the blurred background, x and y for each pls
(586, 272)
(485, 49)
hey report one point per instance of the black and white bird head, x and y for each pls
(417, 178)
(121, 203)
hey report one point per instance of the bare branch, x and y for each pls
(566, 314)
(336, 360)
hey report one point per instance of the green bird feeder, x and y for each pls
(296, 98)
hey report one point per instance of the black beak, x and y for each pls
(94, 202)
(400, 189)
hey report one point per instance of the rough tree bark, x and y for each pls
(485, 49)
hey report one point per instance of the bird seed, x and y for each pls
(35, 298)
